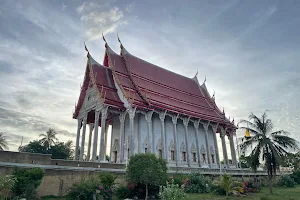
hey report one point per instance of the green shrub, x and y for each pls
(217, 188)
(296, 176)
(172, 191)
(27, 181)
(84, 189)
(198, 183)
(286, 181)
(122, 192)
(107, 182)
(7, 183)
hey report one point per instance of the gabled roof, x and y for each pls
(148, 86)
(101, 77)
(163, 89)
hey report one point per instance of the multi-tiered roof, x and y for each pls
(148, 87)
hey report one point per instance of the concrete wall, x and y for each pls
(23, 157)
(58, 182)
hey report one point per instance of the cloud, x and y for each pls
(99, 20)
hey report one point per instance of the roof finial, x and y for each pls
(223, 111)
(85, 47)
(121, 45)
(196, 73)
(232, 121)
(213, 96)
(204, 80)
(103, 37)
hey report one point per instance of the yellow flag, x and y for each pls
(247, 134)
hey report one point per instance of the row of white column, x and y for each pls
(162, 115)
(82, 122)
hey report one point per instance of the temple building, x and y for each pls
(150, 109)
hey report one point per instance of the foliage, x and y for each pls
(296, 176)
(147, 169)
(59, 150)
(286, 181)
(107, 182)
(7, 182)
(122, 192)
(270, 146)
(27, 181)
(292, 160)
(84, 189)
(172, 191)
(244, 161)
(217, 188)
(3, 142)
(198, 183)
(49, 138)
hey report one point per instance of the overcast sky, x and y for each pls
(248, 50)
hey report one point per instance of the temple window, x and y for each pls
(128, 154)
(115, 153)
(203, 158)
(172, 155)
(184, 156)
(159, 153)
(194, 157)
(146, 149)
(213, 158)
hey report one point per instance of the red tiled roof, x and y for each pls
(167, 90)
(105, 83)
(148, 86)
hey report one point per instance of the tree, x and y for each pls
(269, 147)
(60, 150)
(147, 169)
(244, 161)
(3, 142)
(49, 138)
(34, 147)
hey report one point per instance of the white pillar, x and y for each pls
(131, 112)
(79, 123)
(174, 120)
(205, 126)
(91, 126)
(105, 138)
(186, 124)
(102, 136)
(233, 155)
(162, 116)
(196, 125)
(222, 135)
(148, 117)
(215, 127)
(122, 136)
(95, 141)
(83, 138)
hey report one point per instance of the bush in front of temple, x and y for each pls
(27, 181)
(148, 170)
(84, 189)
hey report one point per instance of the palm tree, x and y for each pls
(49, 138)
(3, 143)
(269, 147)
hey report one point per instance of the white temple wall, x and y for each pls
(143, 133)
(169, 135)
(115, 137)
(156, 130)
(212, 147)
(126, 138)
(192, 143)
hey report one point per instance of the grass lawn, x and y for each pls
(280, 193)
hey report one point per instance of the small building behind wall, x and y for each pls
(150, 109)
